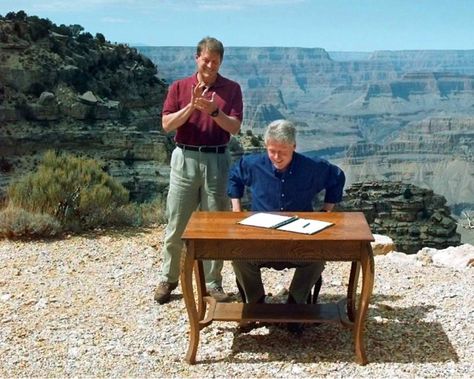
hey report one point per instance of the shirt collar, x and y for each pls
(217, 83)
(290, 169)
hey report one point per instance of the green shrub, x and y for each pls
(153, 213)
(19, 223)
(144, 214)
(74, 190)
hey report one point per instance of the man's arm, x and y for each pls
(236, 205)
(228, 123)
(327, 207)
(236, 184)
(334, 187)
(173, 121)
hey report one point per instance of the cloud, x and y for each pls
(221, 5)
(65, 6)
(84, 5)
(115, 20)
(218, 5)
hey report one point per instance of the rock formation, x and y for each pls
(388, 115)
(412, 216)
(64, 89)
(61, 88)
(433, 153)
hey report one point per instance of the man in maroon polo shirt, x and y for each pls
(204, 110)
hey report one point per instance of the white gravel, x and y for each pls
(83, 307)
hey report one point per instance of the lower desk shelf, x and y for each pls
(307, 313)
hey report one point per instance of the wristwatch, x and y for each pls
(215, 113)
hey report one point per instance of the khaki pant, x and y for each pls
(198, 181)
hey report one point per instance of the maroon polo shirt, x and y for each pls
(201, 129)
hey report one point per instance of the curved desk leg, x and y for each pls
(367, 265)
(201, 288)
(352, 290)
(187, 262)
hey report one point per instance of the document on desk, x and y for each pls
(286, 223)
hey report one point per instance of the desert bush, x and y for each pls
(19, 223)
(153, 213)
(141, 215)
(74, 190)
(100, 37)
(62, 29)
(84, 37)
(39, 27)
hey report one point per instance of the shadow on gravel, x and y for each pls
(393, 334)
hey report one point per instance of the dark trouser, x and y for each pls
(249, 276)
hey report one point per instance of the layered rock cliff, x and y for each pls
(365, 111)
(62, 88)
(434, 153)
(412, 216)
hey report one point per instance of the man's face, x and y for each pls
(280, 154)
(208, 64)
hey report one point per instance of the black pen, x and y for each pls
(305, 225)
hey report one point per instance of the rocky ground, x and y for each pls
(83, 307)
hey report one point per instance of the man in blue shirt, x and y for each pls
(282, 180)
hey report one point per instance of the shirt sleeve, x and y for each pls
(237, 104)
(171, 104)
(335, 185)
(238, 177)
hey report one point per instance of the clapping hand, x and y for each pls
(201, 101)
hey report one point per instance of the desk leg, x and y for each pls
(367, 265)
(201, 288)
(187, 263)
(352, 290)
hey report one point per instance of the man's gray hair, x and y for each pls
(282, 131)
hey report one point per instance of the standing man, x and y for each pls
(282, 180)
(204, 110)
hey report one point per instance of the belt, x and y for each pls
(203, 149)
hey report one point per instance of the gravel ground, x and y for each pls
(83, 307)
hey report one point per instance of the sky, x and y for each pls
(335, 25)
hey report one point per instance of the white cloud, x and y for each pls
(67, 6)
(73, 6)
(218, 5)
(115, 20)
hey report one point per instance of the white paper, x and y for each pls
(295, 224)
(264, 220)
(305, 226)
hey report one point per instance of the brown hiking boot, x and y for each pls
(219, 294)
(163, 292)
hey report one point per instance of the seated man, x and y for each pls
(282, 180)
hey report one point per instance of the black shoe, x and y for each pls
(295, 328)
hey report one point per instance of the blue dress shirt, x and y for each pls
(291, 190)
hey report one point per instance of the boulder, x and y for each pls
(47, 98)
(88, 98)
(412, 216)
(458, 257)
(382, 245)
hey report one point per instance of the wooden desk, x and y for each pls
(216, 235)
